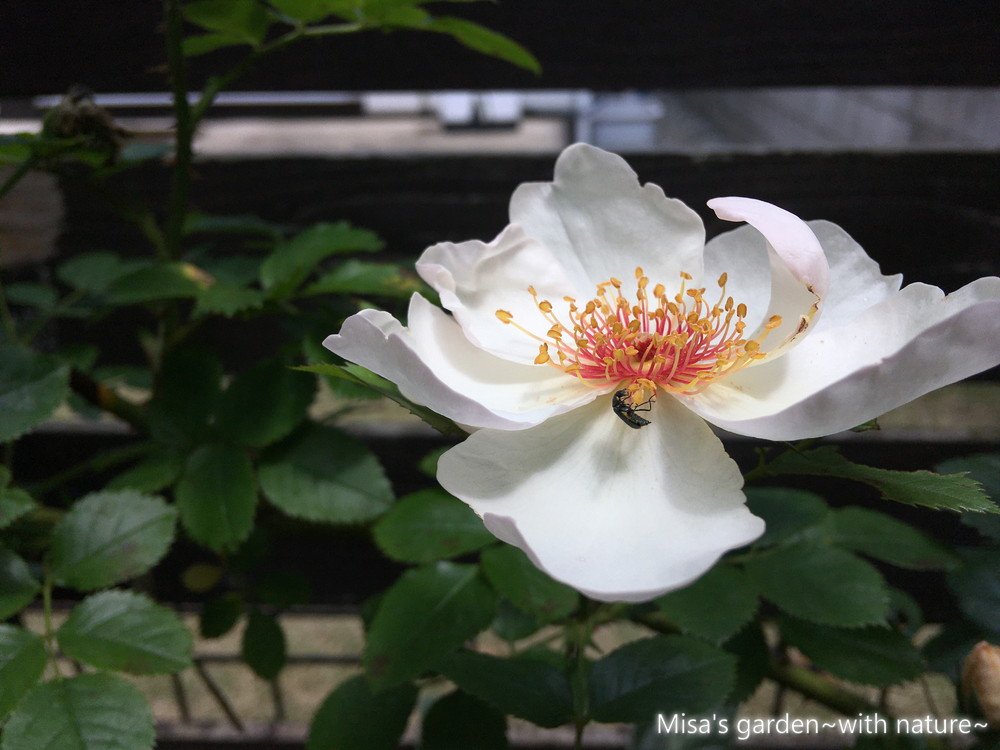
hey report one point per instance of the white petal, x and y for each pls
(435, 365)
(619, 514)
(856, 282)
(599, 222)
(790, 237)
(799, 269)
(475, 279)
(903, 347)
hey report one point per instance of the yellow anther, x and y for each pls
(543, 354)
(723, 279)
(741, 310)
(505, 317)
(545, 306)
(555, 332)
(615, 283)
(532, 292)
(638, 272)
(582, 343)
(773, 323)
(658, 290)
(685, 275)
(751, 346)
(729, 304)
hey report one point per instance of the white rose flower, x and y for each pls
(589, 344)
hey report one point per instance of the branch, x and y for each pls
(105, 398)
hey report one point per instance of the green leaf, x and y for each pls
(18, 587)
(305, 11)
(790, 514)
(89, 712)
(264, 404)
(946, 651)
(95, 272)
(924, 488)
(14, 503)
(290, 263)
(264, 648)
(245, 20)
(430, 525)
(665, 674)
(123, 631)
(356, 278)
(515, 577)
(714, 607)
(821, 584)
(109, 537)
(459, 722)
(484, 40)
(528, 689)
(976, 585)
(22, 661)
(220, 615)
(884, 538)
(217, 496)
(353, 717)
(27, 294)
(172, 280)
(428, 612)
(156, 471)
(31, 387)
(753, 655)
(985, 469)
(202, 223)
(321, 474)
(511, 624)
(869, 656)
(186, 392)
(202, 44)
(361, 376)
(227, 300)
(282, 589)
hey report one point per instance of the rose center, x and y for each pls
(681, 344)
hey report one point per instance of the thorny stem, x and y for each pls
(816, 687)
(105, 398)
(579, 631)
(188, 116)
(183, 129)
(577, 637)
(6, 316)
(100, 462)
(810, 684)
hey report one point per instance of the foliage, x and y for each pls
(223, 452)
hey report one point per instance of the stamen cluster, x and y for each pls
(681, 344)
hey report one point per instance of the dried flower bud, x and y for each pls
(981, 678)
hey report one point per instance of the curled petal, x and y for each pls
(435, 365)
(617, 513)
(475, 279)
(897, 350)
(800, 274)
(856, 282)
(599, 222)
